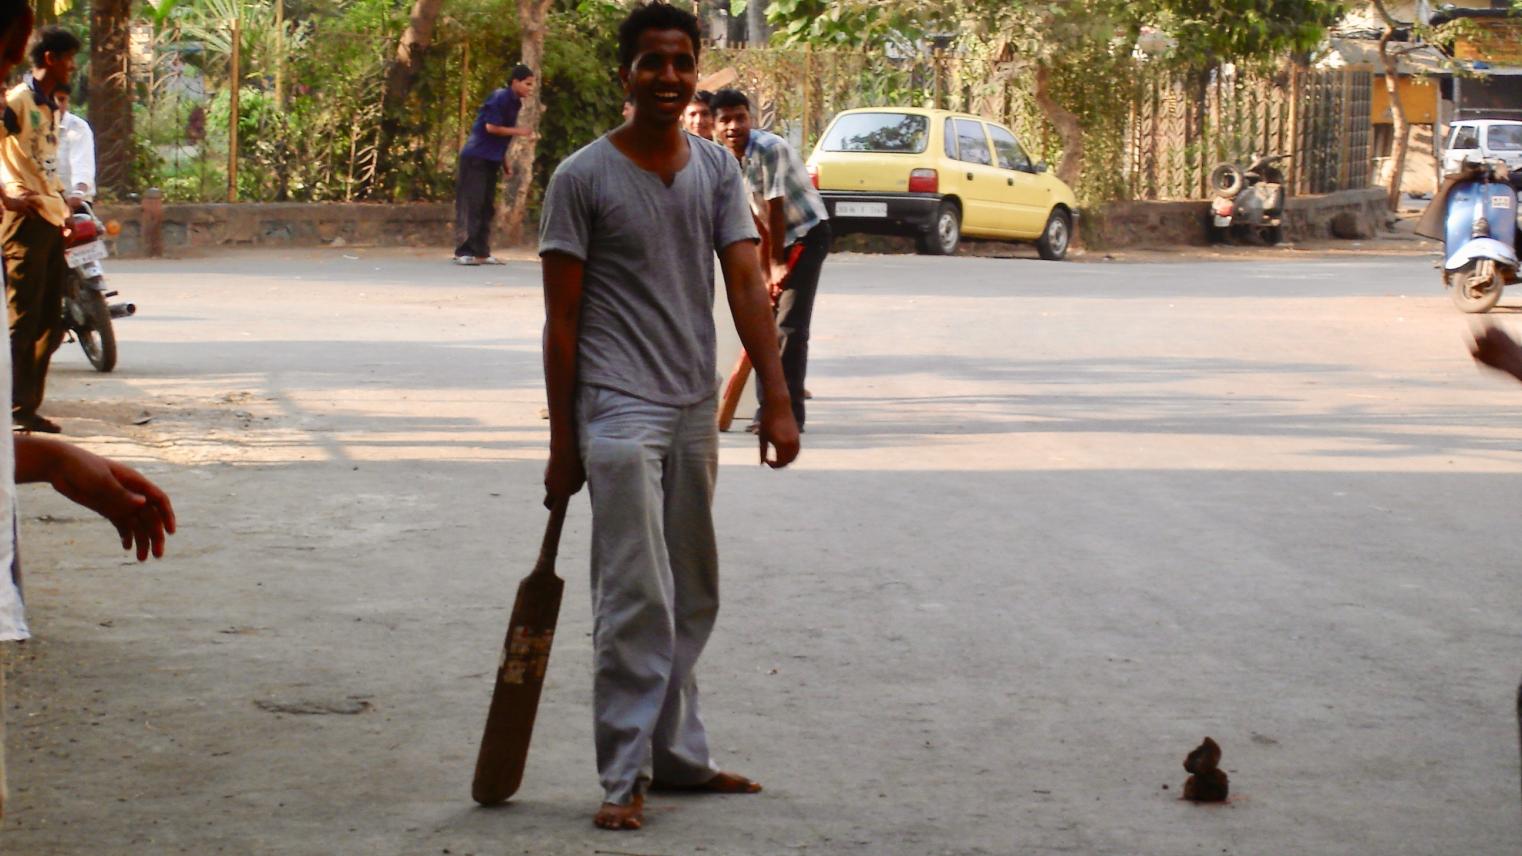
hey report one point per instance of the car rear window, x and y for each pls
(1504, 138)
(878, 132)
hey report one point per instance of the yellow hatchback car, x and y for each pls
(938, 175)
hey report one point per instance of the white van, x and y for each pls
(1478, 139)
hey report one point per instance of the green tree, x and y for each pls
(1068, 47)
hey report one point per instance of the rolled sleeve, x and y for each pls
(565, 226)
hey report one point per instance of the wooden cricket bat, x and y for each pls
(520, 674)
(733, 389)
(735, 386)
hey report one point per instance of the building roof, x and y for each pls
(1363, 55)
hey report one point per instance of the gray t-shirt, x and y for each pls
(648, 252)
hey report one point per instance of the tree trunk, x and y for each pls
(1395, 167)
(400, 76)
(1069, 129)
(757, 33)
(415, 42)
(110, 105)
(531, 15)
(736, 32)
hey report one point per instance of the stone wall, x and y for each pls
(1355, 213)
(189, 227)
(192, 227)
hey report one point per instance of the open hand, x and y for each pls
(140, 511)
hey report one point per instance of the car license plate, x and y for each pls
(85, 253)
(861, 209)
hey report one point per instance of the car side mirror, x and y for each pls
(1041, 167)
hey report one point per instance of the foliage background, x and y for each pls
(319, 143)
(316, 136)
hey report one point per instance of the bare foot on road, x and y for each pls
(721, 783)
(631, 816)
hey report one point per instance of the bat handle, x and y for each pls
(551, 544)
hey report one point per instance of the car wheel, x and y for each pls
(945, 232)
(1055, 238)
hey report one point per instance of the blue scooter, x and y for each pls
(1479, 235)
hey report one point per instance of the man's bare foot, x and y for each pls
(721, 783)
(631, 816)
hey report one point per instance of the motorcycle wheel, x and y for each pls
(1272, 235)
(96, 336)
(1475, 291)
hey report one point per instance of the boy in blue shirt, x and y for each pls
(481, 161)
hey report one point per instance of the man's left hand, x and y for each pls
(779, 430)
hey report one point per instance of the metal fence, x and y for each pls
(1172, 127)
(1181, 126)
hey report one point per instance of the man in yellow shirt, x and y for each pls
(33, 239)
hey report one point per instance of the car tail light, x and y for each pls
(924, 181)
(813, 175)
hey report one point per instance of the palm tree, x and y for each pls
(111, 92)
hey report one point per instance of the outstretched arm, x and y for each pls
(140, 511)
(752, 311)
(564, 475)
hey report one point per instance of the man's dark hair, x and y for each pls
(728, 98)
(520, 72)
(52, 40)
(655, 16)
(704, 97)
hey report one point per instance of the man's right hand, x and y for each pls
(563, 475)
(28, 202)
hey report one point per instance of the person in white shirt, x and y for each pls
(76, 152)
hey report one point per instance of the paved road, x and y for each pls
(1054, 523)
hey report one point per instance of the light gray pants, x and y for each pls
(655, 584)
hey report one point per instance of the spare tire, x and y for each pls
(1227, 180)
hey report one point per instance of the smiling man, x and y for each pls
(630, 227)
(698, 118)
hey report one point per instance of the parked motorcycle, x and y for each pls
(1479, 234)
(1248, 203)
(86, 315)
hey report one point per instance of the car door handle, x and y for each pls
(1010, 182)
(969, 176)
